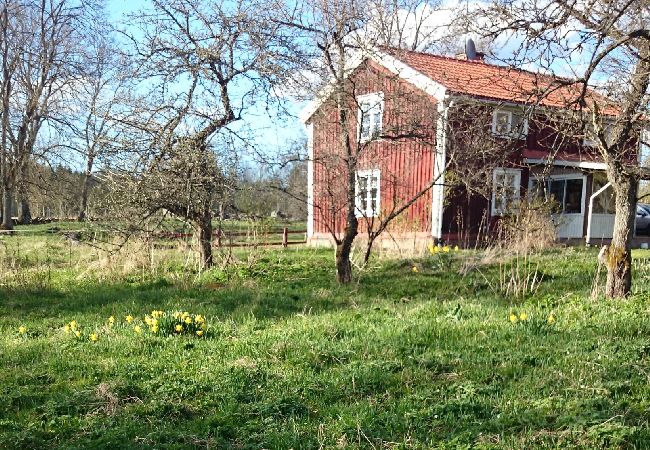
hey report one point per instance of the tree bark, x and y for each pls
(343, 250)
(85, 189)
(24, 210)
(619, 256)
(7, 213)
(203, 232)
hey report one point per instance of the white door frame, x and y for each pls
(571, 216)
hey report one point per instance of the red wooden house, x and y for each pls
(412, 108)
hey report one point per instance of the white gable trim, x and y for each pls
(407, 73)
(392, 64)
(439, 163)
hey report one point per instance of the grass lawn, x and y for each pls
(403, 359)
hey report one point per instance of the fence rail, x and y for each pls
(222, 238)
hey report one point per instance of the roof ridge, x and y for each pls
(477, 62)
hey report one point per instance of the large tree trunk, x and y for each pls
(24, 211)
(619, 256)
(343, 250)
(7, 203)
(85, 189)
(203, 233)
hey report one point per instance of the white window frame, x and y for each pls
(365, 209)
(374, 99)
(511, 134)
(517, 181)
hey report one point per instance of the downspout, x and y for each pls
(591, 209)
(310, 180)
(439, 168)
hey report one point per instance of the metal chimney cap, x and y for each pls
(470, 49)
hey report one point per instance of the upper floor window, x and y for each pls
(591, 140)
(371, 111)
(367, 193)
(506, 189)
(510, 124)
(644, 147)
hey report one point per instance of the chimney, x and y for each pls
(470, 53)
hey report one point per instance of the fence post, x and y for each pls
(285, 237)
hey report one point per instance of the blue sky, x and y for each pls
(271, 132)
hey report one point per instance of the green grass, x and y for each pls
(399, 359)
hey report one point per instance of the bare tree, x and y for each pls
(203, 66)
(48, 38)
(607, 46)
(339, 33)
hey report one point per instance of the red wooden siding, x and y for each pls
(405, 159)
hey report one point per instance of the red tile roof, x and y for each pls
(479, 79)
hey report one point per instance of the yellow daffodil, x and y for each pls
(156, 313)
(129, 318)
(147, 320)
(414, 269)
(111, 321)
(93, 337)
(513, 317)
(66, 329)
(137, 329)
(456, 248)
(445, 249)
(22, 329)
(154, 329)
(179, 328)
(523, 317)
(204, 326)
(199, 333)
(199, 319)
(188, 320)
(73, 325)
(77, 333)
(550, 319)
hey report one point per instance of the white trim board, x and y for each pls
(565, 163)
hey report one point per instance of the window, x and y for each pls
(591, 140)
(565, 192)
(644, 147)
(505, 191)
(509, 124)
(371, 109)
(367, 193)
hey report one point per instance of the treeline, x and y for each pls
(57, 193)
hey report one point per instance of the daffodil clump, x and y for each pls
(158, 322)
(540, 322)
(437, 249)
(168, 323)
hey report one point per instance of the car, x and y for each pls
(642, 219)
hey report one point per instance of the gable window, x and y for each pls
(367, 193)
(509, 124)
(371, 111)
(591, 140)
(506, 188)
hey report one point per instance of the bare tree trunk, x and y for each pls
(203, 232)
(85, 189)
(619, 256)
(343, 250)
(7, 213)
(24, 210)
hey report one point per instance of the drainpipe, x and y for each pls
(591, 208)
